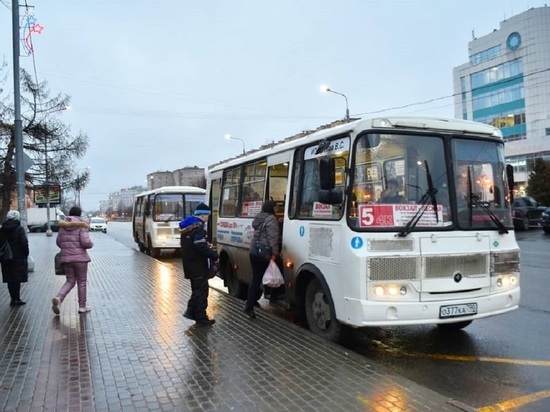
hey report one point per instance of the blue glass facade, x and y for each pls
(498, 98)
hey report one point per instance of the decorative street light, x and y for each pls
(326, 89)
(229, 137)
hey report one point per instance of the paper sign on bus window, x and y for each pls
(252, 208)
(321, 210)
(225, 194)
(397, 215)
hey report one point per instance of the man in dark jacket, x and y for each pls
(15, 271)
(197, 256)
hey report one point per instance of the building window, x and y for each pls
(499, 96)
(548, 131)
(517, 136)
(485, 55)
(497, 73)
(504, 119)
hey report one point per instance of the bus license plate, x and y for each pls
(452, 311)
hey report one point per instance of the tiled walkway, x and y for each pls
(135, 351)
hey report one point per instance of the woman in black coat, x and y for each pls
(266, 230)
(15, 271)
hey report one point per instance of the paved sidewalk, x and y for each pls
(135, 351)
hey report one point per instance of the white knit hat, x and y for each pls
(13, 215)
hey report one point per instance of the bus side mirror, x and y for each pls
(327, 173)
(511, 183)
(330, 197)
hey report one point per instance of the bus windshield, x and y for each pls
(402, 181)
(172, 207)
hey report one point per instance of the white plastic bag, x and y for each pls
(272, 276)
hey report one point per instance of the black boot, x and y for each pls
(205, 321)
(189, 315)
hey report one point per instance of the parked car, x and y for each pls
(526, 212)
(98, 224)
(545, 221)
(54, 226)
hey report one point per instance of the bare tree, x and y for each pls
(46, 139)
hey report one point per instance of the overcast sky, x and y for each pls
(155, 84)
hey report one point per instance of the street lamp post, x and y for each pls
(229, 137)
(18, 124)
(326, 89)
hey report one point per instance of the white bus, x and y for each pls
(446, 254)
(157, 213)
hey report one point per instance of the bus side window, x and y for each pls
(230, 192)
(277, 183)
(147, 210)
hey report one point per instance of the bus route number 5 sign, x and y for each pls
(376, 215)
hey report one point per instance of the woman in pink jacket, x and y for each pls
(73, 240)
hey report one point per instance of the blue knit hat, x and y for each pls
(202, 209)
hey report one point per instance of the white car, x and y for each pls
(98, 224)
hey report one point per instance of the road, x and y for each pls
(495, 364)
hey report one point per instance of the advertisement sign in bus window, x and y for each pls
(397, 215)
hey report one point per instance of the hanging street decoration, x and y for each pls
(29, 26)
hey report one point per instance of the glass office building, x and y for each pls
(506, 84)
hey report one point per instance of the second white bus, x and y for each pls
(157, 213)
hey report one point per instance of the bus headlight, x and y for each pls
(391, 291)
(379, 291)
(507, 281)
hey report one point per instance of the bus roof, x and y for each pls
(383, 123)
(174, 189)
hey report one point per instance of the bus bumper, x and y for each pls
(370, 313)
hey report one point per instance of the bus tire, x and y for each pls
(453, 326)
(235, 287)
(154, 252)
(320, 314)
(140, 246)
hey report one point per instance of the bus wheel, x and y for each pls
(141, 246)
(453, 326)
(236, 288)
(154, 252)
(320, 315)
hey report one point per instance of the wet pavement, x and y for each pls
(135, 352)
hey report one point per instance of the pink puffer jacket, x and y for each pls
(73, 242)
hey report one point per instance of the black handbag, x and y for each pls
(259, 249)
(59, 269)
(6, 252)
